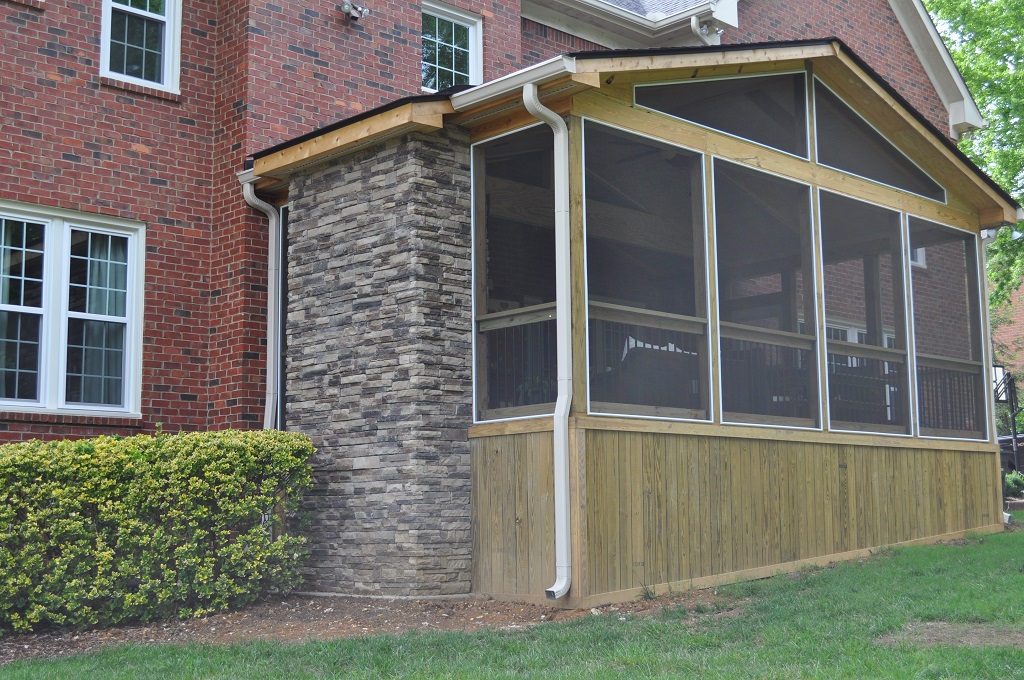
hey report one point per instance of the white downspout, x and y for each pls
(563, 324)
(248, 180)
(701, 32)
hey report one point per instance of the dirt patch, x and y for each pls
(297, 619)
(934, 633)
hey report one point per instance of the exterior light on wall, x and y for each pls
(354, 11)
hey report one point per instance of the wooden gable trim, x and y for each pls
(411, 117)
(917, 140)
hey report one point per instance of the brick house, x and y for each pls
(149, 274)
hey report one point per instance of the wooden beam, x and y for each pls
(527, 204)
(407, 118)
(992, 218)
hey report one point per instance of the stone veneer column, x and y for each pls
(379, 360)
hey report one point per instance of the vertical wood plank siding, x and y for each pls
(658, 509)
(513, 514)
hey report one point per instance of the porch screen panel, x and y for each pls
(769, 110)
(765, 297)
(867, 359)
(516, 372)
(647, 320)
(848, 142)
(951, 380)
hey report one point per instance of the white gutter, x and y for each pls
(545, 71)
(563, 325)
(248, 180)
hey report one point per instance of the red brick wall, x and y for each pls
(542, 42)
(310, 65)
(1008, 334)
(869, 27)
(74, 142)
(255, 73)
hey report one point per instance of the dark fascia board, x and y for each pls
(659, 51)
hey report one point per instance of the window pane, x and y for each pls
(847, 142)
(446, 31)
(21, 263)
(429, 27)
(133, 61)
(19, 355)
(765, 296)
(462, 36)
(445, 53)
(645, 254)
(95, 362)
(429, 52)
(136, 46)
(430, 77)
(118, 26)
(445, 78)
(863, 267)
(951, 383)
(154, 6)
(462, 62)
(515, 270)
(136, 33)
(445, 57)
(98, 274)
(770, 110)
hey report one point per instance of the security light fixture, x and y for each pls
(354, 11)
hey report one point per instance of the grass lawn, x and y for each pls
(817, 623)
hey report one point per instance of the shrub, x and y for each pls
(106, 530)
(1013, 485)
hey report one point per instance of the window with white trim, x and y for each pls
(141, 42)
(452, 47)
(70, 312)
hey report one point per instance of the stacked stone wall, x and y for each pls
(379, 364)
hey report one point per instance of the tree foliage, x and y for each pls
(986, 40)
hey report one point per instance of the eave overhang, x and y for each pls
(613, 26)
(498, 105)
(964, 114)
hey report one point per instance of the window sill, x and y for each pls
(34, 4)
(107, 81)
(97, 418)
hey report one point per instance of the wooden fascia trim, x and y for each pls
(414, 116)
(704, 59)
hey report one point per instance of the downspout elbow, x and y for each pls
(248, 181)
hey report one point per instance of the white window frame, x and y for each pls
(474, 22)
(58, 225)
(171, 49)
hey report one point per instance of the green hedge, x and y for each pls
(1013, 485)
(100, 531)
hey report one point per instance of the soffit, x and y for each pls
(637, 23)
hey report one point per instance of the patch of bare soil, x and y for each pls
(934, 633)
(298, 619)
